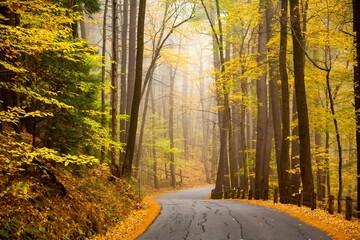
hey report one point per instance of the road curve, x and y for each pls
(186, 216)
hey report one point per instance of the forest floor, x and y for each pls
(73, 202)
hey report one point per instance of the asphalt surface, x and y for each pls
(186, 216)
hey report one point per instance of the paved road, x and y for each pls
(185, 216)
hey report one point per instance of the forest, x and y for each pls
(102, 101)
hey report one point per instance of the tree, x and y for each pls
(123, 74)
(171, 124)
(356, 16)
(303, 119)
(114, 83)
(222, 95)
(284, 165)
(103, 71)
(262, 161)
(130, 147)
(42, 68)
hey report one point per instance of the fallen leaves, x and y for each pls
(334, 224)
(135, 223)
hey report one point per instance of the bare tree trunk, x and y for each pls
(132, 62)
(141, 135)
(295, 150)
(320, 184)
(103, 71)
(244, 163)
(205, 125)
(282, 170)
(171, 125)
(214, 155)
(123, 86)
(114, 82)
(356, 14)
(337, 140)
(303, 119)
(327, 162)
(261, 92)
(130, 148)
(185, 118)
(154, 168)
(284, 177)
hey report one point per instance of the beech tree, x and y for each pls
(303, 120)
(284, 164)
(262, 160)
(114, 83)
(130, 147)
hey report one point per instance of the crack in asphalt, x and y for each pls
(267, 223)
(236, 220)
(202, 223)
(191, 220)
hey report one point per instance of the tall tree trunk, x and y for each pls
(303, 119)
(284, 177)
(141, 135)
(103, 71)
(130, 147)
(114, 82)
(154, 168)
(295, 150)
(123, 86)
(261, 93)
(205, 124)
(320, 184)
(356, 15)
(214, 152)
(337, 140)
(244, 163)
(171, 125)
(132, 61)
(185, 118)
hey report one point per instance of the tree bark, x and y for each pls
(261, 93)
(284, 177)
(303, 119)
(132, 60)
(154, 168)
(123, 83)
(114, 83)
(130, 147)
(356, 15)
(171, 125)
(320, 183)
(103, 71)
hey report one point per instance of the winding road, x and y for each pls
(186, 216)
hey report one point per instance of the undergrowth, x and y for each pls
(73, 202)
